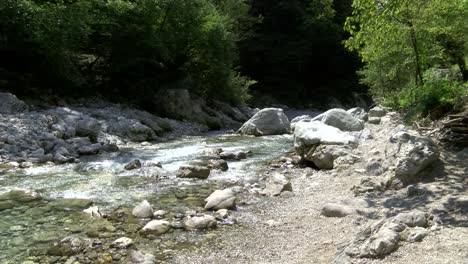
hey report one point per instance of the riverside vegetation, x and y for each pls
(129, 133)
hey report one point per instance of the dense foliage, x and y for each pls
(124, 48)
(133, 49)
(415, 52)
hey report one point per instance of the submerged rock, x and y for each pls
(136, 257)
(268, 121)
(240, 155)
(143, 210)
(123, 242)
(135, 164)
(218, 165)
(221, 199)
(192, 171)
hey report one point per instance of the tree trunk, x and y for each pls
(414, 42)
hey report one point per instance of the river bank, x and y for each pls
(133, 204)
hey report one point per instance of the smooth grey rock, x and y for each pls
(342, 120)
(276, 184)
(143, 210)
(221, 199)
(324, 156)
(268, 121)
(337, 210)
(192, 171)
(200, 222)
(156, 227)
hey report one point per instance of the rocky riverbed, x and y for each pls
(346, 187)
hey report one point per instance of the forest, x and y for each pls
(408, 54)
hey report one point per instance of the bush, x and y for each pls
(438, 95)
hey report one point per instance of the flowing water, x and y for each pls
(30, 226)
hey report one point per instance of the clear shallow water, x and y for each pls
(29, 229)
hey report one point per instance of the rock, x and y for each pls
(20, 196)
(152, 164)
(417, 234)
(159, 214)
(88, 127)
(411, 219)
(276, 184)
(342, 120)
(123, 242)
(68, 246)
(143, 210)
(90, 149)
(10, 104)
(71, 204)
(218, 165)
(200, 222)
(93, 211)
(324, 156)
(413, 157)
(137, 257)
(156, 227)
(337, 210)
(374, 120)
(132, 130)
(268, 121)
(192, 171)
(377, 111)
(359, 113)
(375, 167)
(302, 118)
(221, 199)
(222, 213)
(240, 155)
(135, 164)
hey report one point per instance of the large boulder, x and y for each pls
(268, 121)
(342, 120)
(221, 199)
(309, 135)
(412, 153)
(10, 104)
